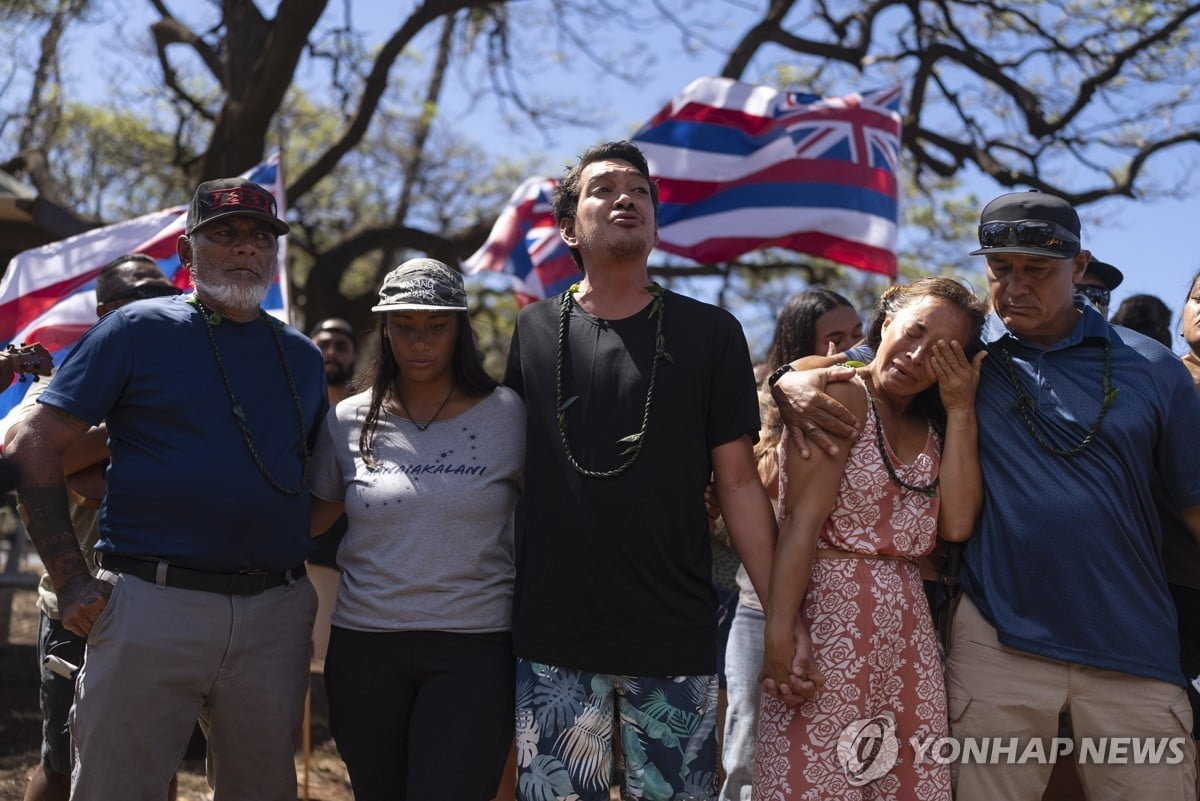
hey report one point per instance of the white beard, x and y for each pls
(235, 297)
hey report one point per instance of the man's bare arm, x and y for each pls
(324, 514)
(89, 450)
(748, 513)
(807, 410)
(1191, 517)
(37, 449)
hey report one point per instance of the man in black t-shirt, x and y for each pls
(635, 397)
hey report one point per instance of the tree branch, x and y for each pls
(167, 32)
(356, 127)
(239, 137)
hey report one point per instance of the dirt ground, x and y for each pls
(21, 720)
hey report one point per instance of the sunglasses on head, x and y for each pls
(1096, 294)
(145, 291)
(1025, 233)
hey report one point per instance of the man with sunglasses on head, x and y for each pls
(1065, 605)
(1097, 284)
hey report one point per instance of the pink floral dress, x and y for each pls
(873, 640)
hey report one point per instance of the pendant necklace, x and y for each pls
(413, 420)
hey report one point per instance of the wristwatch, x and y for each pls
(779, 372)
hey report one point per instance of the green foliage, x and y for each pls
(493, 317)
(113, 164)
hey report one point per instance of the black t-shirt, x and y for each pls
(613, 574)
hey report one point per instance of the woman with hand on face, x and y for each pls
(427, 467)
(863, 648)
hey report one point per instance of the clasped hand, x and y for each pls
(789, 672)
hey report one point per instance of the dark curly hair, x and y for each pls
(566, 194)
(1147, 315)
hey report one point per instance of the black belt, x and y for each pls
(250, 582)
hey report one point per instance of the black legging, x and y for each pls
(1187, 609)
(421, 715)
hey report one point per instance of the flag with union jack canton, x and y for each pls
(742, 167)
(48, 294)
(524, 244)
(739, 168)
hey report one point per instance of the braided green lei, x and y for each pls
(212, 320)
(632, 444)
(1027, 407)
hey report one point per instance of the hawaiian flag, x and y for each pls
(739, 168)
(524, 243)
(743, 167)
(48, 294)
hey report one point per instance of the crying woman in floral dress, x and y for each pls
(851, 527)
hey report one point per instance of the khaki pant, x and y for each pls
(159, 658)
(325, 581)
(997, 691)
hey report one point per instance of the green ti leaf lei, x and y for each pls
(631, 445)
(1028, 407)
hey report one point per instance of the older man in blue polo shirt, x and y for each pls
(1065, 605)
(201, 607)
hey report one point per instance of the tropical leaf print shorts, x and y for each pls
(567, 720)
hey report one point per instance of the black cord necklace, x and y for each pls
(212, 319)
(633, 442)
(413, 420)
(929, 490)
(1027, 407)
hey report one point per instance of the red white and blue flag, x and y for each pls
(48, 294)
(743, 167)
(524, 243)
(739, 168)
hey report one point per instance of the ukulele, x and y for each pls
(32, 361)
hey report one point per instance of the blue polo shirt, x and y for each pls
(1066, 560)
(182, 483)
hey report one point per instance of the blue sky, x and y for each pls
(1149, 240)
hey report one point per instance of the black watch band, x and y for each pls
(779, 372)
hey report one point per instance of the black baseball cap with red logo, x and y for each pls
(227, 197)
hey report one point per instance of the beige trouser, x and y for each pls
(997, 691)
(325, 581)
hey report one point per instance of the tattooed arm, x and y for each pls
(38, 449)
